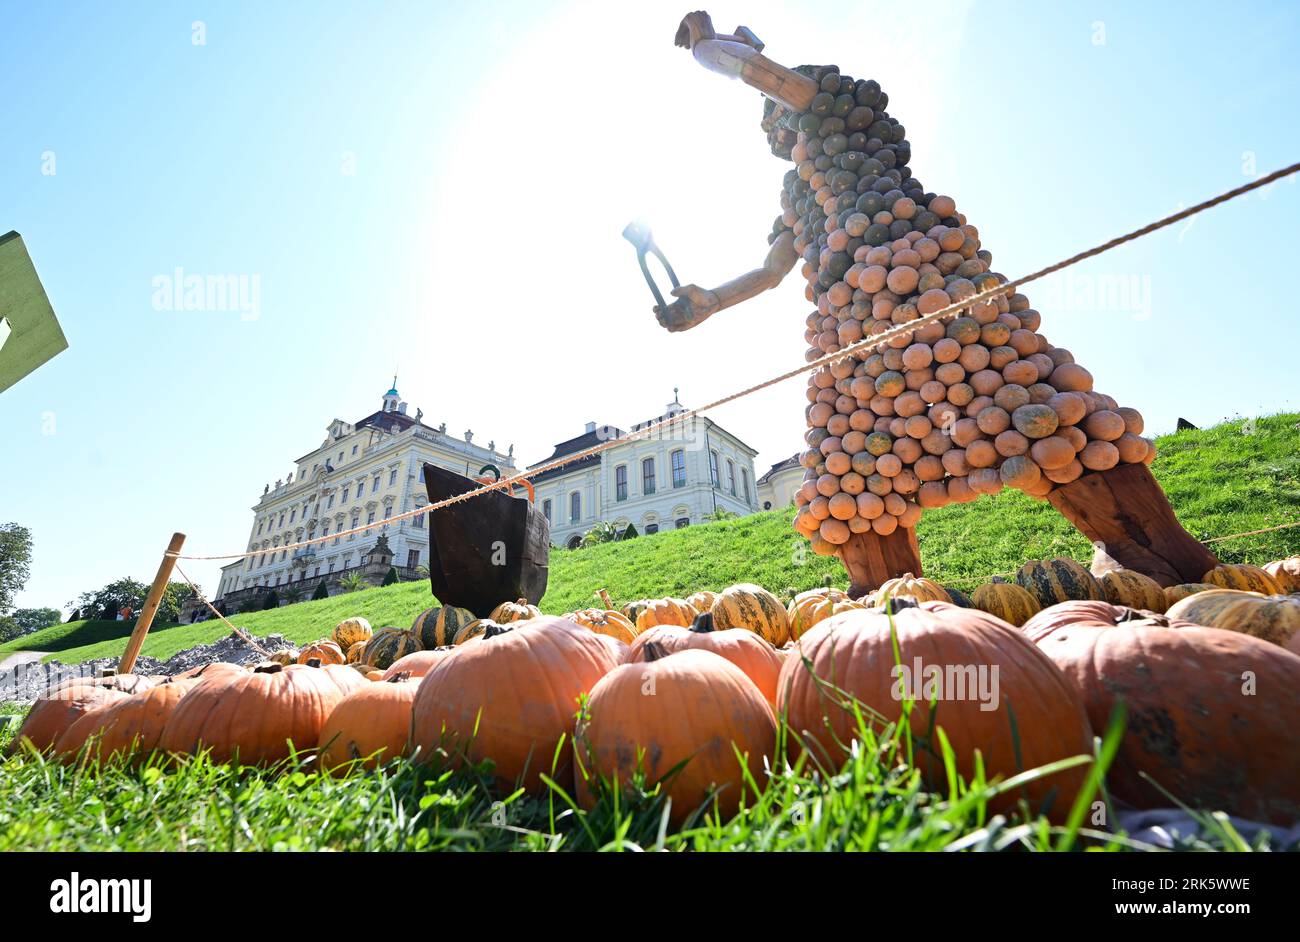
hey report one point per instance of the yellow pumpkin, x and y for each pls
(519, 610)
(1126, 587)
(667, 611)
(1243, 577)
(1176, 593)
(605, 622)
(918, 587)
(632, 610)
(327, 652)
(1012, 603)
(805, 612)
(351, 630)
(1274, 618)
(357, 653)
(1060, 579)
(746, 605)
(1286, 573)
(475, 629)
(284, 658)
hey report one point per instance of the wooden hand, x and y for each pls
(694, 305)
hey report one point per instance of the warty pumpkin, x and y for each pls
(53, 715)
(1193, 724)
(357, 653)
(1273, 618)
(701, 711)
(369, 726)
(665, 611)
(1286, 573)
(387, 645)
(437, 627)
(803, 613)
(252, 717)
(519, 610)
(947, 646)
(604, 622)
(1243, 577)
(1126, 587)
(1058, 580)
(747, 650)
(511, 697)
(327, 652)
(746, 605)
(1006, 600)
(351, 630)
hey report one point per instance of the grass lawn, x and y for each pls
(1231, 478)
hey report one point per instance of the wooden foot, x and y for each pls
(871, 559)
(1126, 515)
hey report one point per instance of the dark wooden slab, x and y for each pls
(490, 549)
(1125, 511)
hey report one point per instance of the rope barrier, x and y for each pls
(863, 346)
(243, 635)
(1233, 536)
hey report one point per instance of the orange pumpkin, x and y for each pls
(1286, 573)
(853, 653)
(666, 611)
(131, 726)
(703, 711)
(746, 649)
(511, 697)
(253, 717)
(810, 609)
(520, 610)
(604, 622)
(417, 663)
(369, 726)
(1192, 726)
(918, 587)
(327, 652)
(52, 716)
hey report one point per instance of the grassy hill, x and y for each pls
(1228, 479)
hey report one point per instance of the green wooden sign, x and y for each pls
(30, 334)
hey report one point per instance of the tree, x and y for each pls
(600, 533)
(391, 577)
(292, 594)
(8, 629)
(322, 591)
(271, 601)
(721, 514)
(34, 619)
(15, 562)
(353, 582)
(128, 593)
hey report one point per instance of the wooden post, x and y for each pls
(151, 604)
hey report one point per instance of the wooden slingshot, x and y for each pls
(1122, 510)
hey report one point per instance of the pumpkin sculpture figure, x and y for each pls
(956, 408)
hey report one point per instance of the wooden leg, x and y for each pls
(871, 559)
(1126, 515)
(151, 603)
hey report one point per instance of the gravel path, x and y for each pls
(27, 679)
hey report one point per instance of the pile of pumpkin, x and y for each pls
(697, 684)
(946, 412)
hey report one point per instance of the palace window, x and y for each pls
(370, 517)
(329, 503)
(374, 485)
(361, 487)
(652, 528)
(620, 482)
(281, 518)
(744, 480)
(731, 477)
(713, 469)
(340, 457)
(388, 511)
(259, 527)
(325, 530)
(412, 558)
(419, 522)
(392, 477)
(344, 498)
(354, 449)
(679, 468)
(682, 522)
(546, 509)
(292, 515)
(648, 476)
(575, 507)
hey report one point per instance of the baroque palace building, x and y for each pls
(670, 480)
(367, 471)
(364, 472)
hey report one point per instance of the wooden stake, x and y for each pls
(151, 604)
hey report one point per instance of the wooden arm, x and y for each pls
(694, 304)
(739, 56)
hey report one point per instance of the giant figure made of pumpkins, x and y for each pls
(957, 408)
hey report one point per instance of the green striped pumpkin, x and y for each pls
(751, 606)
(387, 645)
(1059, 580)
(437, 627)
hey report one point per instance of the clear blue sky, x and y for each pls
(474, 246)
